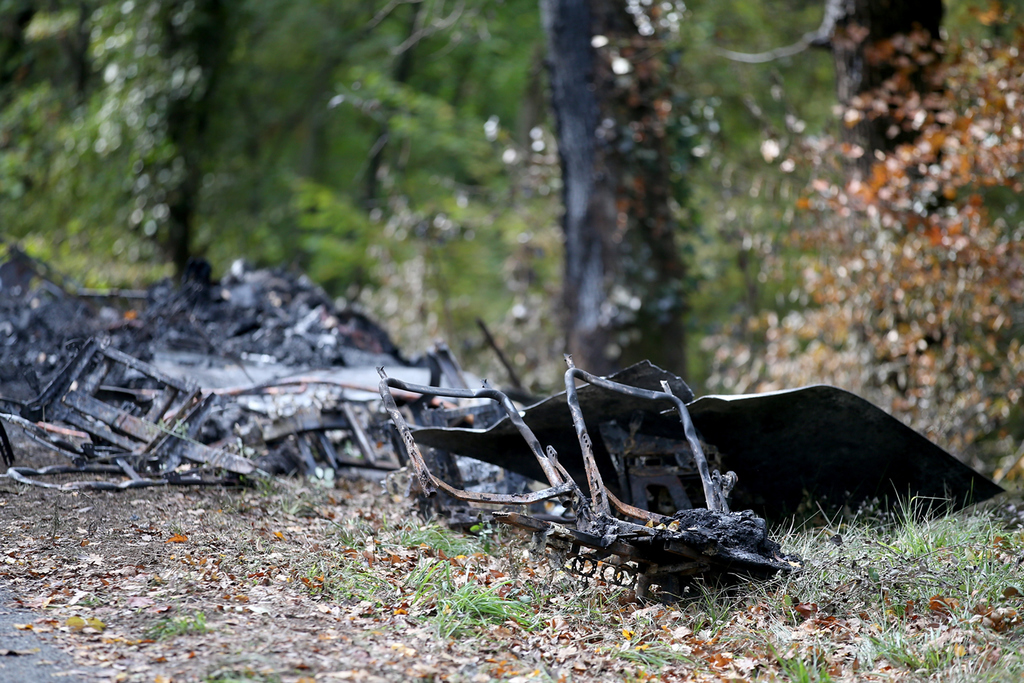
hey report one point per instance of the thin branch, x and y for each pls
(834, 11)
(436, 26)
(386, 11)
(502, 358)
(770, 56)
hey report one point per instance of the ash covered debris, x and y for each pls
(255, 316)
(262, 316)
(260, 371)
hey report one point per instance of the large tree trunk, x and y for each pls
(623, 289)
(587, 185)
(882, 45)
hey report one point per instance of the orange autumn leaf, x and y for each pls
(177, 538)
(719, 660)
(987, 17)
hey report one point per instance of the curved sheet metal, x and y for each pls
(819, 440)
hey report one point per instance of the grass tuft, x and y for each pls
(179, 626)
(461, 604)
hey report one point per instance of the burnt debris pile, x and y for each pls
(268, 316)
(260, 372)
(251, 317)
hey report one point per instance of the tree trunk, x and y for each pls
(402, 73)
(623, 292)
(188, 118)
(588, 190)
(15, 63)
(881, 45)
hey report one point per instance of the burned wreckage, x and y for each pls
(655, 506)
(641, 476)
(638, 549)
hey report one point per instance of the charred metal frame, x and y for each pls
(650, 549)
(712, 481)
(601, 500)
(137, 432)
(561, 483)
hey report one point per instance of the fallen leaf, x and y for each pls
(745, 665)
(75, 623)
(719, 660)
(38, 602)
(806, 609)
(140, 601)
(177, 538)
(942, 605)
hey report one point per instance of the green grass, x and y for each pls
(888, 566)
(804, 670)
(899, 596)
(458, 609)
(709, 607)
(651, 657)
(913, 589)
(897, 647)
(179, 626)
(345, 581)
(437, 537)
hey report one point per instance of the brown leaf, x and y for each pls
(806, 609)
(942, 605)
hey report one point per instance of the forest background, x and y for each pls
(774, 221)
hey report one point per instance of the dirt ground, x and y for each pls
(188, 584)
